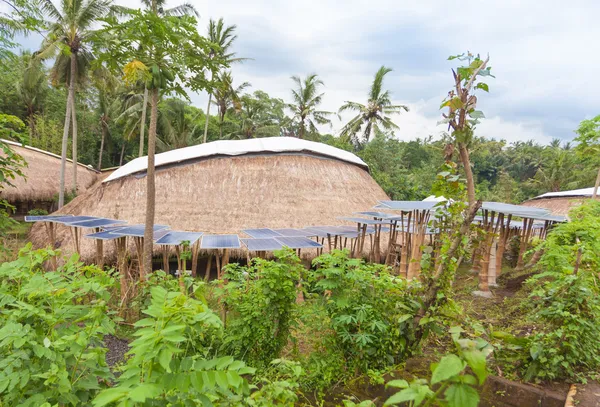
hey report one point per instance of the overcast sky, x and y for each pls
(543, 53)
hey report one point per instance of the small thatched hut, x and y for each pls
(41, 185)
(227, 186)
(560, 203)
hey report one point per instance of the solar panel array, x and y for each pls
(298, 242)
(265, 244)
(96, 223)
(407, 205)
(291, 232)
(365, 221)
(43, 218)
(261, 233)
(517, 210)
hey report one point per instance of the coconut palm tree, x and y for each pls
(68, 36)
(306, 100)
(108, 104)
(223, 37)
(176, 128)
(254, 120)
(32, 88)
(227, 96)
(372, 117)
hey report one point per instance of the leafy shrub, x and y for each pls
(170, 364)
(260, 301)
(37, 212)
(371, 310)
(566, 299)
(454, 387)
(51, 329)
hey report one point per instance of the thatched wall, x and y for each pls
(557, 205)
(42, 177)
(228, 194)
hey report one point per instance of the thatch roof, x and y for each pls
(42, 176)
(226, 194)
(560, 203)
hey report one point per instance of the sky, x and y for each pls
(541, 53)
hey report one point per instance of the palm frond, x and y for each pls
(378, 82)
(185, 9)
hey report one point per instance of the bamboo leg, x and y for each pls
(165, 253)
(208, 267)
(195, 248)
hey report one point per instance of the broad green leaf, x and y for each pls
(402, 384)
(477, 114)
(482, 86)
(144, 391)
(449, 366)
(108, 396)
(461, 395)
(401, 397)
(477, 362)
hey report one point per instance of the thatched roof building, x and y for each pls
(227, 186)
(41, 185)
(560, 203)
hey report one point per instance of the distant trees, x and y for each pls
(374, 116)
(588, 147)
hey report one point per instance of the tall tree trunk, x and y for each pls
(74, 118)
(122, 153)
(302, 127)
(102, 146)
(207, 116)
(32, 131)
(595, 193)
(222, 118)
(65, 139)
(150, 189)
(143, 123)
(466, 162)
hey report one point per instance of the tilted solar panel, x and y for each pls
(518, 210)
(96, 223)
(136, 230)
(266, 244)
(407, 205)
(298, 242)
(261, 233)
(104, 236)
(220, 242)
(365, 221)
(44, 218)
(178, 237)
(72, 219)
(381, 215)
(291, 232)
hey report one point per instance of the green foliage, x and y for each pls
(260, 300)
(37, 212)
(566, 299)
(371, 310)
(11, 166)
(51, 330)
(450, 383)
(279, 386)
(169, 363)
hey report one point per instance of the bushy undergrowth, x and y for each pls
(566, 299)
(260, 300)
(51, 330)
(371, 310)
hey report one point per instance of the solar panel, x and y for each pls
(314, 232)
(350, 235)
(260, 233)
(330, 230)
(71, 219)
(178, 237)
(268, 244)
(291, 232)
(104, 236)
(366, 221)
(381, 215)
(44, 218)
(135, 230)
(96, 223)
(220, 242)
(518, 210)
(298, 242)
(407, 205)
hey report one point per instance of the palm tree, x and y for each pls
(69, 34)
(108, 104)
(374, 116)
(306, 100)
(254, 120)
(177, 129)
(32, 88)
(223, 37)
(227, 97)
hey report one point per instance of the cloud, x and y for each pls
(541, 55)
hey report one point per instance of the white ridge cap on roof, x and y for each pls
(574, 192)
(236, 147)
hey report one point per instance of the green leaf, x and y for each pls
(482, 86)
(47, 342)
(477, 114)
(461, 395)
(455, 103)
(144, 391)
(402, 384)
(108, 396)
(449, 366)
(476, 361)
(164, 358)
(401, 397)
